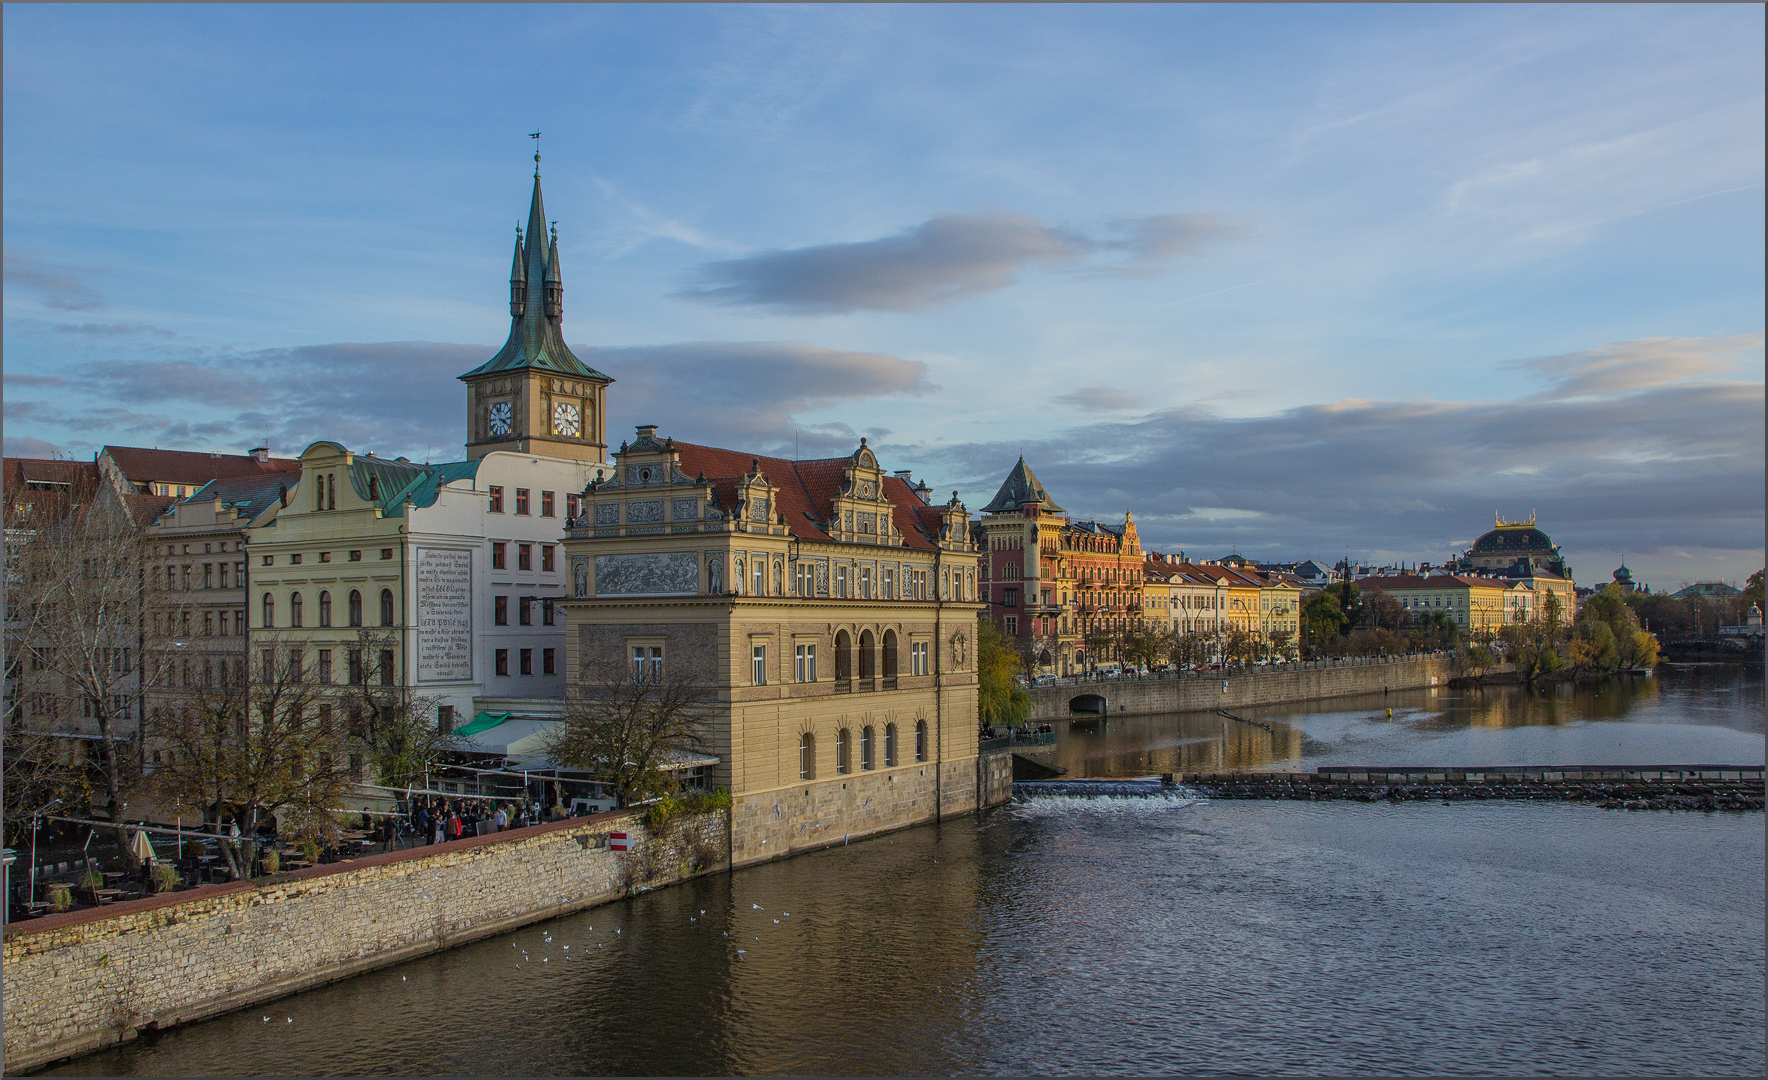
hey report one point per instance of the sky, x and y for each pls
(1297, 282)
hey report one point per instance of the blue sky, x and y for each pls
(1299, 281)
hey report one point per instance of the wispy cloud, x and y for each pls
(56, 285)
(1100, 399)
(1645, 363)
(946, 258)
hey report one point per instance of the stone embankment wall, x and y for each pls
(1611, 787)
(1262, 686)
(79, 981)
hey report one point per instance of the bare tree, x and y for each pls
(270, 748)
(623, 731)
(75, 627)
(397, 727)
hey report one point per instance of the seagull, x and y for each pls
(757, 907)
(266, 1019)
(787, 914)
(702, 911)
(401, 978)
(776, 922)
(290, 1020)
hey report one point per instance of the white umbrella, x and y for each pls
(141, 846)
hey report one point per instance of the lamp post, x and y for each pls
(36, 816)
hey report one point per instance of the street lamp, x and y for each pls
(35, 816)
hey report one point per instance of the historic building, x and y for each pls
(1476, 604)
(830, 606)
(445, 578)
(1065, 591)
(182, 473)
(1515, 545)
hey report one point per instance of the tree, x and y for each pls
(1383, 612)
(1188, 650)
(397, 727)
(75, 627)
(1532, 645)
(1752, 591)
(1278, 642)
(1000, 699)
(1322, 619)
(1143, 647)
(624, 731)
(273, 748)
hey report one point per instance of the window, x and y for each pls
(223, 619)
(1010, 597)
(803, 578)
(525, 610)
(297, 666)
(445, 718)
(386, 607)
(546, 560)
(521, 500)
(269, 560)
(889, 654)
(208, 624)
(294, 560)
(547, 612)
(269, 657)
(921, 740)
(807, 756)
(865, 583)
(387, 553)
(226, 580)
(890, 746)
(841, 591)
(865, 749)
(496, 492)
(503, 661)
(573, 506)
(889, 592)
(549, 661)
(647, 663)
(325, 556)
(760, 578)
(843, 752)
(527, 659)
(804, 661)
(386, 666)
(325, 668)
(295, 610)
(325, 609)
(1012, 623)
(208, 575)
(269, 611)
(355, 608)
(546, 504)
(524, 556)
(500, 611)
(498, 559)
(758, 665)
(356, 556)
(918, 658)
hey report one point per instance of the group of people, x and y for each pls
(435, 820)
(988, 731)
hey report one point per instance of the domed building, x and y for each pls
(1515, 545)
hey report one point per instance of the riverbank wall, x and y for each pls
(79, 981)
(1227, 690)
(1614, 787)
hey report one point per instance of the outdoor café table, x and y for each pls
(106, 896)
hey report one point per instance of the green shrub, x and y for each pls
(166, 878)
(272, 861)
(92, 878)
(694, 802)
(60, 897)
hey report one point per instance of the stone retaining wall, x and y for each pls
(81, 980)
(1262, 686)
(1714, 787)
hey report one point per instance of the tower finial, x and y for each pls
(535, 135)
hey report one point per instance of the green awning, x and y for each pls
(485, 721)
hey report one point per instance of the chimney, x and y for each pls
(903, 475)
(260, 453)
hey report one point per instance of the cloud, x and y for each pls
(1658, 469)
(1100, 399)
(112, 329)
(404, 398)
(946, 258)
(26, 446)
(746, 394)
(1644, 363)
(57, 286)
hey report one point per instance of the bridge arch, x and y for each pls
(1092, 704)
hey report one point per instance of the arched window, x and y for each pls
(866, 760)
(890, 654)
(843, 658)
(920, 740)
(269, 611)
(868, 658)
(890, 746)
(386, 607)
(807, 756)
(355, 608)
(295, 610)
(325, 609)
(843, 751)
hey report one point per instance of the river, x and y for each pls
(1143, 935)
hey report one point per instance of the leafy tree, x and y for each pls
(1752, 591)
(1322, 619)
(1188, 650)
(1143, 647)
(1532, 645)
(1382, 611)
(624, 731)
(1278, 643)
(1000, 699)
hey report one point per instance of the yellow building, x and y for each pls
(1476, 604)
(1280, 611)
(828, 604)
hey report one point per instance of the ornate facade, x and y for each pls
(830, 606)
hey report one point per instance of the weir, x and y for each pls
(1088, 699)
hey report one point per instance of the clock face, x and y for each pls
(565, 419)
(498, 418)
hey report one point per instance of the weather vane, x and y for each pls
(535, 135)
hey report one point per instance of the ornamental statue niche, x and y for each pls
(714, 576)
(581, 580)
(958, 643)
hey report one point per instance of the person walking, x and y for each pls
(502, 819)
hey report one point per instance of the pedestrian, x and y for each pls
(502, 819)
(367, 822)
(436, 831)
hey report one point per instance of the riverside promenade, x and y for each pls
(1613, 787)
(1277, 684)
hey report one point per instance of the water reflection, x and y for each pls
(1683, 715)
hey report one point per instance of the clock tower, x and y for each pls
(534, 396)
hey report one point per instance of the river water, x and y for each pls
(1143, 935)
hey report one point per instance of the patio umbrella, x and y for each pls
(141, 846)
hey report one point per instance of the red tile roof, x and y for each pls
(142, 465)
(21, 472)
(807, 490)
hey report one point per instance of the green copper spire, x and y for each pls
(537, 338)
